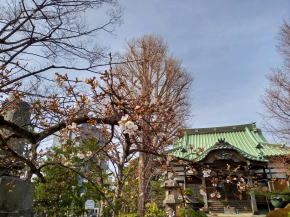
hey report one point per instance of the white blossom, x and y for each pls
(215, 194)
(80, 156)
(127, 126)
(125, 118)
(89, 154)
(206, 173)
(218, 195)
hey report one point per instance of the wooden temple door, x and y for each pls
(230, 191)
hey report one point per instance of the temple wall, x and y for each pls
(275, 170)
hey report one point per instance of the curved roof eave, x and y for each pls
(243, 153)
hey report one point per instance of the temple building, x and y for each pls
(221, 164)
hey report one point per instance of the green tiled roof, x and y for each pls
(246, 139)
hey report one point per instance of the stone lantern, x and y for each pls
(171, 196)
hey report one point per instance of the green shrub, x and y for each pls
(283, 212)
(185, 212)
(129, 215)
(284, 194)
(188, 192)
(154, 211)
(200, 202)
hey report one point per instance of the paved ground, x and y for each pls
(235, 215)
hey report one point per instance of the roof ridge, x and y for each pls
(232, 128)
(277, 145)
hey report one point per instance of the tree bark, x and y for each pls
(119, 188)
(117, 196)
(141, 196)
(144, 175)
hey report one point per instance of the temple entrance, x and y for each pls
(223, 165)
(230, 192)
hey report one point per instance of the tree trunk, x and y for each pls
(117, 196)
(144, 175)
(141, 196)
(118, 190)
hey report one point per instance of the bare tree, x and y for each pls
(277, 97)
(155, 86)
(38, 36)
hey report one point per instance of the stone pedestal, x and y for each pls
(15, 197)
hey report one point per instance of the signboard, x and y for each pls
(89, 204)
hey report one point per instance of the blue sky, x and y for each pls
(227, 45)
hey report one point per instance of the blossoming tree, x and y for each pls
(145, 95)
